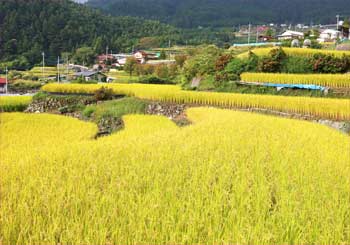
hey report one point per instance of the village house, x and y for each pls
(2, 85)
(120, 59)
(290, 35)
(103, 58)
(103, 61)
(91, 76)
(143, 56)
(329, 35)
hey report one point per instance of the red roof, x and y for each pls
(2, 80)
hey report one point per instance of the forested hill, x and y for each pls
(193, 13)
(28, 27)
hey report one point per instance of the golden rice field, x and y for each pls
(296, 52)
(48, 71)
(14, 103)
(338, 109)
(229, 178)
(328, 80)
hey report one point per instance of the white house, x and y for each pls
(329, 35)
(289, 35)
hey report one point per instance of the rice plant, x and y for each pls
(14, 103)
(338, 109)
(328, 80)
(297, 52)
(229, 178)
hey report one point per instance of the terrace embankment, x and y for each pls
(71, 106)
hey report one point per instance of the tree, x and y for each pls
(202, 63)
(345, 28)
(162, 71)
(130, 65)
(270, 33)
(148, 42)
(30, 27)
(66, 56)
(180, 60)
(85, 55)
(162, 55)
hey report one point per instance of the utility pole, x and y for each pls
(6, 79)
(249, 29)
(338, 16)
(106, 53)
(67, 67)
(42, 70)
(169, 43)
(58, 69)
(257, 34)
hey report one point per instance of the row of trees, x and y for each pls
(222, 66)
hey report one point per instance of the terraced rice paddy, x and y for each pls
(337, 109)
(230, 177)
(328, 80)
(14, 103)
(297, 52)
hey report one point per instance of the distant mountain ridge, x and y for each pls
(194, 13)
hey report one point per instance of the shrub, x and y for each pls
(297, 64)
(88, 111)
(103, 93)
(23, 85)
(146, 69)
(330, 64)
(115, 108)
(315, 44)
(82, 80)
(153, 80)
(236, 66)
(222, 62)
(252, 62)
(40, 96)
(162, 71)
(14, 75)
(273, 62)
(180, 60)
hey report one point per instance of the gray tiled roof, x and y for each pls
(86, 73)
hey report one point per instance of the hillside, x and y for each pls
(193, 13)
(29, 27)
